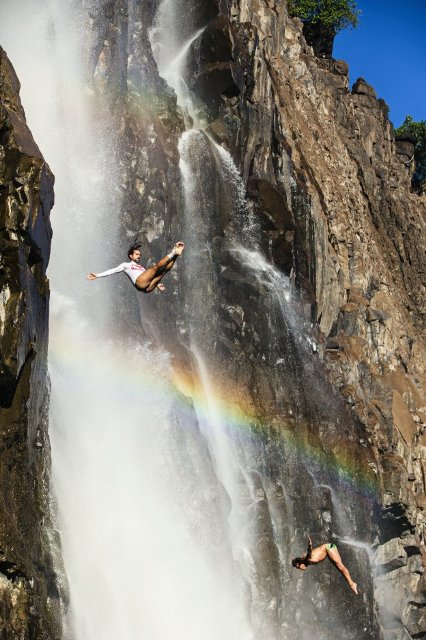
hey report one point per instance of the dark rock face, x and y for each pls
(353, 231)
(29, 597)
(330, 190)
(229, 316)
(320, 38)
(148, 126)
(363, 88)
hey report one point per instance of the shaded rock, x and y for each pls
(332, 198)
(217, 42)
(216, 80)
(404, 147)
(320, 38)
(341, 67)
(30, 598)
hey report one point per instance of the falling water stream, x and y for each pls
(173, 524)
(261, 509)
(144, 544)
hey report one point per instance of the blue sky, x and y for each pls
(388, 49)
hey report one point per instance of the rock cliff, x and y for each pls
(29, 599)
(330, 188)
(361, 266)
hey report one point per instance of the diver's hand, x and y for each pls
(91, 276)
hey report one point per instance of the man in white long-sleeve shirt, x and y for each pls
(145, 280)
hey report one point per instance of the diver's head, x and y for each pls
(299, 563)
(134, 252)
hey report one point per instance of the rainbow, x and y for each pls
(133, 375)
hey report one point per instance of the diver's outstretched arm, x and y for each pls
(109, 272)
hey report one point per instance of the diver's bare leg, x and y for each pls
(165, 264)
(145, 279)
(335, 558)
(156, 281)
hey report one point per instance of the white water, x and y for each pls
(145, 548)
(170, 49)
(196, 161)
(214, 196)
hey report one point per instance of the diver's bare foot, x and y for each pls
(161, 288)
(178, 248)
(354, 587)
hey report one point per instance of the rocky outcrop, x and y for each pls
(329, 189)
(332, 187)
(29, 598)
(252, 352)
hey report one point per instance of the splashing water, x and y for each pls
(210, 179)
(205, 171)
(171, 54)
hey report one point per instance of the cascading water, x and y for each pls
(261, 475)
(145, 544)
(214, 198)
(174, 523)
(171, 43)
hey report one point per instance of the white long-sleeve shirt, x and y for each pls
(132, 269)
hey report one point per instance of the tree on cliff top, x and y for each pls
(323, 19)
(416, 131)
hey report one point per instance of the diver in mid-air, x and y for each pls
(314, 556)
(145, 280)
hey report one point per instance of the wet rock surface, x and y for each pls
(124, 79)
(330, 189)
(356, 251)
(29, 595)
(262, 366)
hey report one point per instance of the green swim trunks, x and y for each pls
(330, 545)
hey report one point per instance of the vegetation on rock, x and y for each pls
(322, 20)
(334, 15)
(416, 131)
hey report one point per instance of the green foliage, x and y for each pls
(334, 15)
(417, 132)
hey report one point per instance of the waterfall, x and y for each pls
(140, 509)
(177, 505)
(263, 475)
(214, 198)
(170, 45)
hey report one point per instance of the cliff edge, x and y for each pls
(29, 599)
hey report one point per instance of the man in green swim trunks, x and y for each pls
(314, 556)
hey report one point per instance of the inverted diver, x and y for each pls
(145, 280)
(314, 556)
